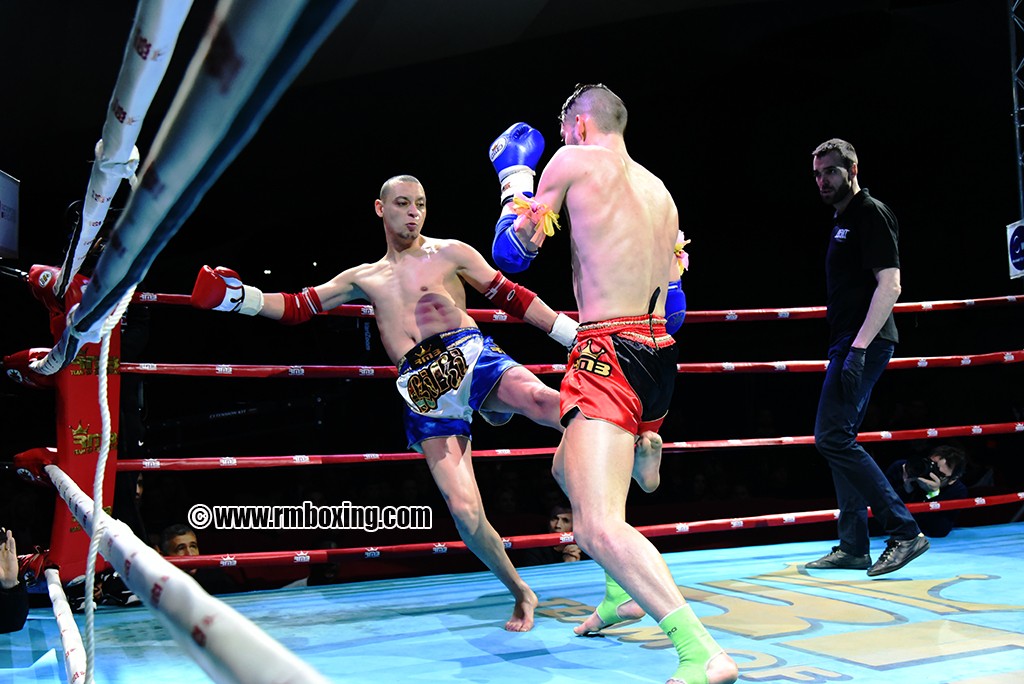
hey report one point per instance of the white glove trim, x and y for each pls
(520, 179)
(252, 300)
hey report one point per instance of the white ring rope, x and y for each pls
(97, 486)
(251, 53)
(146, 57)
(75, 661)
(228, 646)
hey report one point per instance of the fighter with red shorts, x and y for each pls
(622, 371)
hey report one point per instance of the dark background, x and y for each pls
(726, 102)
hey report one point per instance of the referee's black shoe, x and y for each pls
(840, 560)
(897, 554)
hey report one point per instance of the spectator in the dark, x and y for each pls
(181, 540)
(128, 488)
(935, 477)
(560, 522)
(13, 595)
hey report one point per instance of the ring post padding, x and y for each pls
(78, 444)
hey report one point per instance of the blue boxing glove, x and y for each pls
(509, 253)
(515, 154)
(675, 306)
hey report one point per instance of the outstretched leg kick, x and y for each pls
(451, 465)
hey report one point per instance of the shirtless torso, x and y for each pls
(416, 293)
(624, 227)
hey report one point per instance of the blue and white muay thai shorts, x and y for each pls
(445, 378)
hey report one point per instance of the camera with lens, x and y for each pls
(923, 467)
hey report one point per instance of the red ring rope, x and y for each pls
(213, 463)
(528, 541)
(277, 558)
(797, 313)
(227, 370)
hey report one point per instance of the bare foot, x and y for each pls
(647, 461)
(720, 670)
(522, 614)
(630, 610)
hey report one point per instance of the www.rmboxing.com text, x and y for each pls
(309, 516)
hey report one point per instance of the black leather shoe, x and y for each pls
(840, 560)
(897, 554)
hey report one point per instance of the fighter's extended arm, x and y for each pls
(221, 289)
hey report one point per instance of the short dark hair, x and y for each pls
(596, 99)
(559, 508)
(845, 150)
(955, 457)
(404, 178)
(172, 531)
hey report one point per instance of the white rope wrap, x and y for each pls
(251, 53)
(146, 57)
(228, 646)
(97, 486)
(70, 637)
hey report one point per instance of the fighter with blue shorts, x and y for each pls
(445, 378)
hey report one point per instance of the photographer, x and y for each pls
(935, 477)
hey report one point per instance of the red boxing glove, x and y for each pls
(515, 299)
(30, 465)
(41, 280)
(32, 565)
(221, 289)
(17, 368)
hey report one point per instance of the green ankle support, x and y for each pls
(614, 596)
(694, 645)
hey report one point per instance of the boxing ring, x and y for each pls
(955, 615)
(955, 610)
